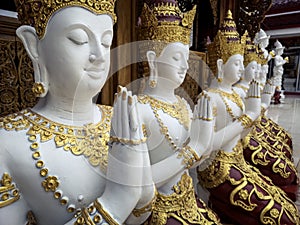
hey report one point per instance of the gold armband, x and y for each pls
(146, 208)
(246, 121)
(105, 214)
(93, 215)
(189, 156)
(127, 141)
(8, 191)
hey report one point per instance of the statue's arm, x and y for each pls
(13, 207)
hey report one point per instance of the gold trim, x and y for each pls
(8, 191)
(105, 214)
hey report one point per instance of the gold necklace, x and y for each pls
(234, 97)
(164, 129)
(89, 140)
(176, 110)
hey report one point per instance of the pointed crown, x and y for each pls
(37, 13)
(278, 45)
(260, 35)
(162, 20)
(226, 43)
(251, 52)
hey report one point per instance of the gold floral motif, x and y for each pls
(38, 12)
(181, 205)
(50, 183)
(219, 172)
(8, 191)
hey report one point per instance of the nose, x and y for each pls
(242, 68)
(97, 54)
(184, 64)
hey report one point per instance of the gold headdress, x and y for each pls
(261, 58)
(163, 21)
(251, 53)
(37, 13)
(226, 43)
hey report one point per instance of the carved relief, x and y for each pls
(16, 74)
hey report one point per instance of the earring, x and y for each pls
(152, 79)
(220, 77)
(38, 89)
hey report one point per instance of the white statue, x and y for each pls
(262, 40)
(56, 165)
(239, 193)
(278, 65)
(175, 142)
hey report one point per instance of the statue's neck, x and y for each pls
(163, 91)
(225, 86)
(68, 111)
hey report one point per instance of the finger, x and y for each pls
(201, 107)
(119, 113)
(209, 109)
(205, 107)
(135, 132)
(195, 113)
(125, 116)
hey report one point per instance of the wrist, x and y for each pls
(246, 120)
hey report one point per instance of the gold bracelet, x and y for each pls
(105, 214)
(127, 141)
(189, 156)
(246, 121)
(147, 208)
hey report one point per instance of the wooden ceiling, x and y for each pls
(282, 14)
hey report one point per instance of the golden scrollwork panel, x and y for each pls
(16, 77)
(9, 78)
(26, 78)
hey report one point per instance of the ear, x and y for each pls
(30, 40)
(220, 65)
(151, 57)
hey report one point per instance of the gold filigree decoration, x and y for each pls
(233, 97)
(251, 52)
(90, 140)
(264, 152)
(166, 31)
(8, 191)
(181, 205)
(31, 219)
(37, 13)
(226, 43)
(262, 189)
(176, 110)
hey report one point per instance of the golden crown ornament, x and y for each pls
(226, 43)
(251, 52)
(37, 13)
(163, 21)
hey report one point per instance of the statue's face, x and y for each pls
(234, 68)
(251, 71)
(279, 51)
(75, 52)
(172, 63)
(264, 43)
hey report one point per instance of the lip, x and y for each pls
(94, 73)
